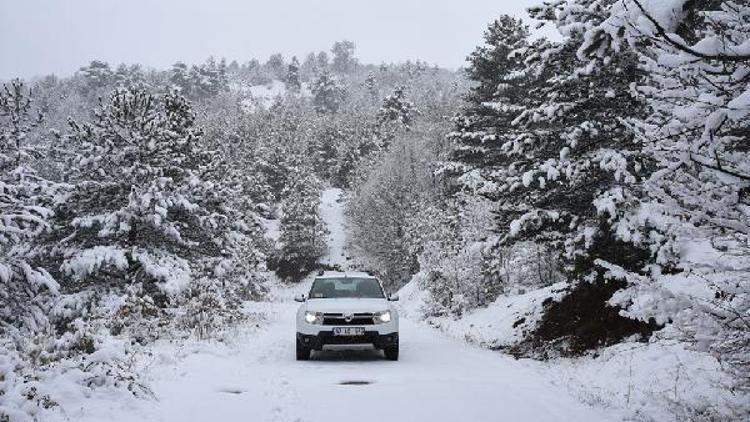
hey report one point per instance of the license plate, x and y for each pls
(348, 331)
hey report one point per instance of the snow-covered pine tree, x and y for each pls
(179, 77)
(324, 145)
(222, 76)
(327, 93)
(128, 76)
(292, 80)
(141, 212)
(202, 81)
(95, 76)
(371, 85)
(577, 171)
(547, 139)
(577, 167)
(396, 108)
(302, 229)
(343, 57)
(473, 261)
(25, 209)
(276, 66)
(493, 103)
(697, 60)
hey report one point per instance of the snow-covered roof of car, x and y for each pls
(344, 274)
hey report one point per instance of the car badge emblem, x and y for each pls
(348, 317)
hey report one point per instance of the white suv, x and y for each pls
(345, 309)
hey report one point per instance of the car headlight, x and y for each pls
(382, 317)
(313, 317)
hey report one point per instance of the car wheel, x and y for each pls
(303, 353)
(391, 352)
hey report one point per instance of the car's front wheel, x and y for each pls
(391, 352)
(303, 352)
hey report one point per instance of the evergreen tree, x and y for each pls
(302, 230)
(396, 108)
(96, 76)
(545, 137)
(292, 80)
(180, 78)
(25, 209)
(494, 102)
(327, 94)
(696, 62)
(371, 85)
(322, 61)
(141, 204)
(275, 66)
(343, 57)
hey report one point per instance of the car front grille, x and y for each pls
(353, 319)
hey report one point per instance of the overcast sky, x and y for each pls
(58, 36)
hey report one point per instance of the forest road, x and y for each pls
(436, 379)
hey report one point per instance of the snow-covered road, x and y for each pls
(437, 379)
(255, 377)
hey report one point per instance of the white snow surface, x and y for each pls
(256, 377)
(264, 96)
(503, 323)
(656, 381)
(332, 212)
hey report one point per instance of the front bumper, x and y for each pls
(326, 338)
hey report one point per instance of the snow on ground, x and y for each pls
(264, 96)
(272, 228)
(256, 377)
(332, 212)
(656, 381)
(503, 323)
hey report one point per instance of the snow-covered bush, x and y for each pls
(463, 266)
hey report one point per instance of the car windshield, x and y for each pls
(324, 288)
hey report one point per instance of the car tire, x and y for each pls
(303, 353)
(391, 352)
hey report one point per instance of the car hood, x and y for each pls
(347, 305)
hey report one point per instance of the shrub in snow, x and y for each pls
(206, 309)
(463, 267)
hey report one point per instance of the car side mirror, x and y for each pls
(393, 297)
(300, 298)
